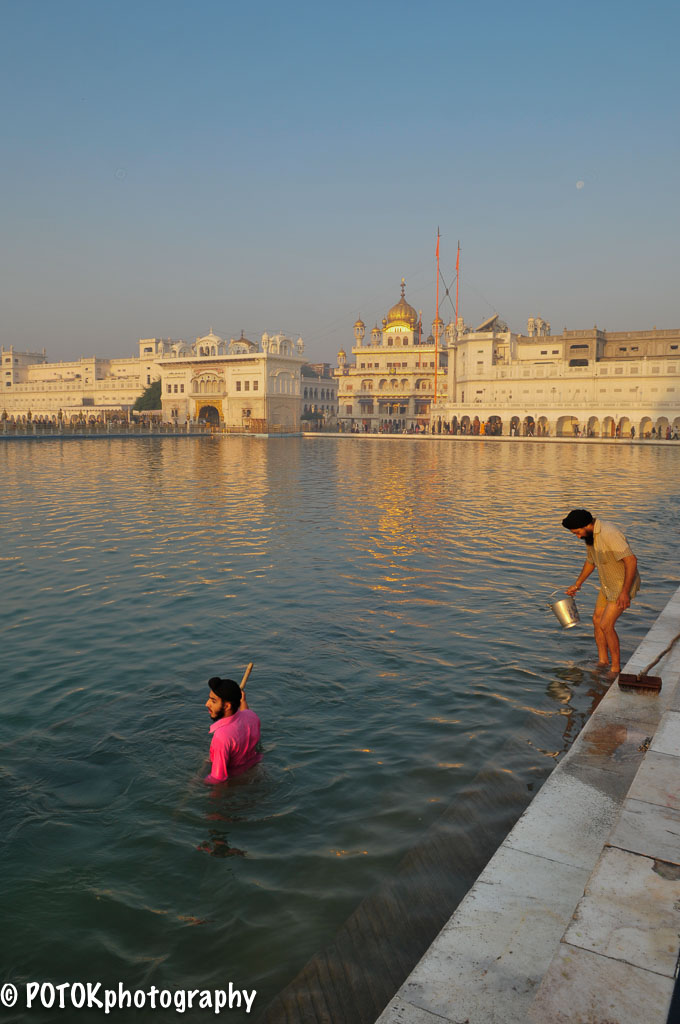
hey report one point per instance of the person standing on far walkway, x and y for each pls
(609, 551)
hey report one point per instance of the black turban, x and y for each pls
(577, 519)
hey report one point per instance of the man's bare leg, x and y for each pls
(600, 639)
(609, 617)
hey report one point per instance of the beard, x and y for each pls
(589, 539)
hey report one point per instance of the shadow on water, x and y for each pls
(352, 979)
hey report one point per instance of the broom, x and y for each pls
(641, 681)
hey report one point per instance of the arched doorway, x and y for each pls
(567, 426)
(209, 414)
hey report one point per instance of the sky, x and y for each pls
(168, 167)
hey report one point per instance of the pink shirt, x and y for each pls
(233, 744)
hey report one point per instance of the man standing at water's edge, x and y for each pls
(235, 730)
(608, 549)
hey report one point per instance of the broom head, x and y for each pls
(648, 684)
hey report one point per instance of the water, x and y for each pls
(393, 598)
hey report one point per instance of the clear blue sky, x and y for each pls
(171, 166)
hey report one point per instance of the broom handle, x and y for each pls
(249, 669)
(660, 656)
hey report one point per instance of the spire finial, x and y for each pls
(403, 286)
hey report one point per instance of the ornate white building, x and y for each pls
(237, 383)
(396, 374)
(82, 388)
(587, 383)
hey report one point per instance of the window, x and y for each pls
(181, 388)
(544, 352)
(246, 385)
(169, 389)
(175, 388)
(256, 385)
(348, 410)
(238, 385)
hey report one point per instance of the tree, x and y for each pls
(150, 398)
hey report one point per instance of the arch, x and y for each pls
(567, 426)
(382, 385)
(662, 425)
(594, 427)
(609, 427)
(210, 414)
(529, 426)
(623, 427)
(465, 425)
(645, 426)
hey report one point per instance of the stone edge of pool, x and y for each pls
(576, 916)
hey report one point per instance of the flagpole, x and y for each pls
(457, 281)
(436, 327)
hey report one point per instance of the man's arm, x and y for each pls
(220, 759)
(588, 567)
(630, 567)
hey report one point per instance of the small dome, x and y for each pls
(341, 352)
(402, 312)
(360, 323)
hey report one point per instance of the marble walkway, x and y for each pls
(576, 918)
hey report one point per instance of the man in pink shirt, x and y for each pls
(235, 730)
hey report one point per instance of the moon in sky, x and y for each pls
(580, 184)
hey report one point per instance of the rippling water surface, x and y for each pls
(392, 595)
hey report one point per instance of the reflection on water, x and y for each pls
(393, 597)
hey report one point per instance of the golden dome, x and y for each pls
(402, 313)
(360, 323)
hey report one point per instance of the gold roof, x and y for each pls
(402, 312)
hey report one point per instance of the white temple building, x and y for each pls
(236, 384)
(591, 383)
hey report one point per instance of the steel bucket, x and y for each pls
(566, 611)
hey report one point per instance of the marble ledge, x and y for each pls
(582, 987)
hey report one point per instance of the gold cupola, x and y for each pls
(402, 314)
